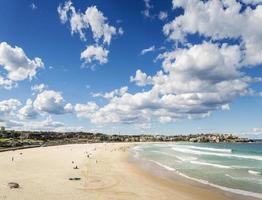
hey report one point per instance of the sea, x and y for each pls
(232, 167)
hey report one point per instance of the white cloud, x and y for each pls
(52, 102)
(254, 133)
(219, 20)
(193, 83)
(162, 15)
(95, 53)
(253, 2)
(92, 19)
(113, 93)
(99, 27)
(147, 50)
(63, 11)
(196, 79)
(85, 110)
(28, 111)
(8, 106)
(17, 65)
(7, 83)
(12, 116)
(120, 31)
(47, 124)
(257, 130)
(141, 79)
(225, 107)
(70, 129)
(148, 7)
(39, 87)
(33, 6)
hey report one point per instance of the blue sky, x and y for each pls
(143, 66)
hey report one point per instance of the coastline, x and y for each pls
(178, 179)
(105, 169)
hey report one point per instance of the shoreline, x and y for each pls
(105, 171)
(170, 174)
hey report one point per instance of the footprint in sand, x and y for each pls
(99, 182)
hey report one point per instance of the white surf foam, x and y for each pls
(254, 172)
(232, 190)
(162, 165)
(196, 152)
(184, 158)
(210, 164)
(211, 149)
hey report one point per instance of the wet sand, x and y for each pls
(104, 170)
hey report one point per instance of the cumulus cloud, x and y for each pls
(33, 6)
(7, 83)
(253, 2)
(92, 19)
(147, 50)
(12, 115)
(8, 110)
(257, 130)
(17, 65)
(28, 111)
(8, 106)
(196, 79)
(94, 53)
(113, 93)
(86, 110)
(39, 87)
(141, 78)
(148, 7)
(52, 102)
(219, 20)
(193, 83)
(47, 124)
(225, 107)
(162, 15)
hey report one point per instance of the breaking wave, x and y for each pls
(227, 189)
(197, 152)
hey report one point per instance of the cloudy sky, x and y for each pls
(142, 66)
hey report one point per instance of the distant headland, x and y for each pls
(11, 139)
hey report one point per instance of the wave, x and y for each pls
(138, 148)
(162, 165)
(211, 149)
(254, 172)
(184, 158)
(211, 164)
(250, 179)
(227, 189)
(232, 190)
(196, 152)
(136, 151)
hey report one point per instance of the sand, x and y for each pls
(43, 174)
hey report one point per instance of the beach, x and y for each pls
(102, 171)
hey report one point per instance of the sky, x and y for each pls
(132, 67)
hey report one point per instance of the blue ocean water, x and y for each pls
(232, 167)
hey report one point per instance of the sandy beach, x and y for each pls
(104, 170)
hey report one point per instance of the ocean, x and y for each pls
(231, 167)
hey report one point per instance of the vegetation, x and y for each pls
(24, 139)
